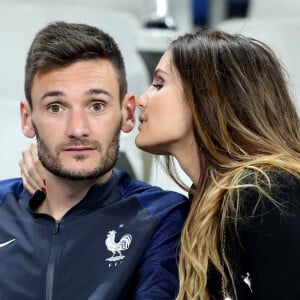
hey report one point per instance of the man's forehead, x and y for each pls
(92, 77)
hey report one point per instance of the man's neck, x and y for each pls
(63, 194)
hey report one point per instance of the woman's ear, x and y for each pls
(128, 109)
(27, 127)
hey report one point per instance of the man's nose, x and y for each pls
(78, 125)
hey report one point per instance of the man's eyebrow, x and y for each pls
(89, 92)
(98, 91)
(52, 94)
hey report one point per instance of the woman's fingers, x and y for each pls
(32, 171)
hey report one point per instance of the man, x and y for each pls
(96, 233)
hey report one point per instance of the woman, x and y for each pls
(219, 104)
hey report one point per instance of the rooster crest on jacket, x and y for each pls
(117, 247)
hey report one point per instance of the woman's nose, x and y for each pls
(142, 100)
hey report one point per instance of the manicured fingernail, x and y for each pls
(44, 182)
(44, 190)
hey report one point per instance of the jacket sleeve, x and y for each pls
(157, 273)
(270, 242)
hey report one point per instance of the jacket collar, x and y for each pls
(99, 195)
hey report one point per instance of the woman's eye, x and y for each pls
(54, 108)
(158, 86)
(98, 106)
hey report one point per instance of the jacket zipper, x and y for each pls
(51, 262)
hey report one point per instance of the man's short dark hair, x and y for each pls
(60, 44)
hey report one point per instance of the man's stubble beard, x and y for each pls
(52, 163)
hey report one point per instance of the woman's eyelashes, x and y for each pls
(158, 84)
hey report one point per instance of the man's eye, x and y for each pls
(98, 106)
(54, 108)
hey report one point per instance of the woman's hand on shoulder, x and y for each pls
(32, 171)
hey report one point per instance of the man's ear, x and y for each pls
(128, 109)
(27, 127)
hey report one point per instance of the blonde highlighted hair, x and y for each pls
(244, 123)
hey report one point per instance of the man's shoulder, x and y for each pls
(11, 186)
(158, 201)
(132, 186)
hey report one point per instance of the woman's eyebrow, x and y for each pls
(158, 70)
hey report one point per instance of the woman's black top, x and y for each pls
(265, 252)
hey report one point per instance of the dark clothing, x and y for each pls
(123, 163)
(120, 242)
(267, 251)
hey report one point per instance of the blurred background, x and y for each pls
(143, 29)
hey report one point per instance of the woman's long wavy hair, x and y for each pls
(244, 122)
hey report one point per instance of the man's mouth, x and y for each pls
(79, 149)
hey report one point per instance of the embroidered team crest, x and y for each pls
(117, 247)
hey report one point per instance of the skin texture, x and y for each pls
(165, 120)
(82, 100)
(76, 116)
(165, 126)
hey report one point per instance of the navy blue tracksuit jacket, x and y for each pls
(120, 242)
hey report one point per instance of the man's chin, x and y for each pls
(78, 176)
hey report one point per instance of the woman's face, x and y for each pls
(165, 120)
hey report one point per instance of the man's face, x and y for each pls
(76, 116)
